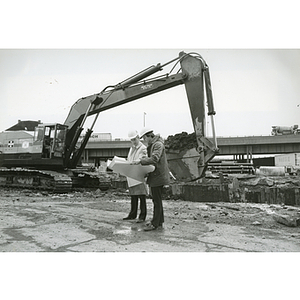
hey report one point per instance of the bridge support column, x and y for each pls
(238, 157)
(249, 153)
(85, 155)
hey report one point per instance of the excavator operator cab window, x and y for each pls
(50, 132)
(49, 135)
(52, 138)
(59, 140)
(48, 141)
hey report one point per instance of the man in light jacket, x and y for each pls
(136, 190)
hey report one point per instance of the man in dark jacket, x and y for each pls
(159, 177)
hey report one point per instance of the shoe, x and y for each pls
(140, 221)
(128, 218)
(150, 227)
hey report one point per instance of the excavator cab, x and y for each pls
(52, 139)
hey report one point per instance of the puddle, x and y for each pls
(128, 230)
(124, 230)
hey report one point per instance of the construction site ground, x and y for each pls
(92, 221)
(77, 246)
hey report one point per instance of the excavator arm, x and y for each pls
(194, 73)
(93, 105)
(198, 80)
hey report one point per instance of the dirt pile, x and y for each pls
(181, 141)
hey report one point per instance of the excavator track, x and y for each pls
(35, 179)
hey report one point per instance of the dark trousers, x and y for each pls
(134, 207)
(158, 211)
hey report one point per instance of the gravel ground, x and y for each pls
(91, 221)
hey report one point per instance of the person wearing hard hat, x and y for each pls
(136, 190)
(159, 177)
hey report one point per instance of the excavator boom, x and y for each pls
(194, 75)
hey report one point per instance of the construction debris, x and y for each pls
(286, 220)
(222, 206)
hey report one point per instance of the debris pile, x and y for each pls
(252, 188)
(181, 141)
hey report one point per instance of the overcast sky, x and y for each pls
(253, 89)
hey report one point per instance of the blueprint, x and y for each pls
(135, 173)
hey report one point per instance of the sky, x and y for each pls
(253, 89)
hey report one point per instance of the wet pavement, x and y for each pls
(94, 223)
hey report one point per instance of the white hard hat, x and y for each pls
(145, 130)
(132, 134)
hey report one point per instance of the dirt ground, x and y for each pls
(91, 221)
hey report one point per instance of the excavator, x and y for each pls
(50, 159)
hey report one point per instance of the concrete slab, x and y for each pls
(54, 236)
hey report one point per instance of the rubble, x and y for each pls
(223, 206)
(222, 187)
(256, 223)
(216, 187)
(96, 216)
(287, 220)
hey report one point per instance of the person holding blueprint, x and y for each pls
(137, 189)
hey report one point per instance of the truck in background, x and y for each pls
(97, 137)
(282, 130)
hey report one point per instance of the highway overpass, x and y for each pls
(258, 145)
(238, 147)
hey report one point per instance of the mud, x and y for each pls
(92, 221)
